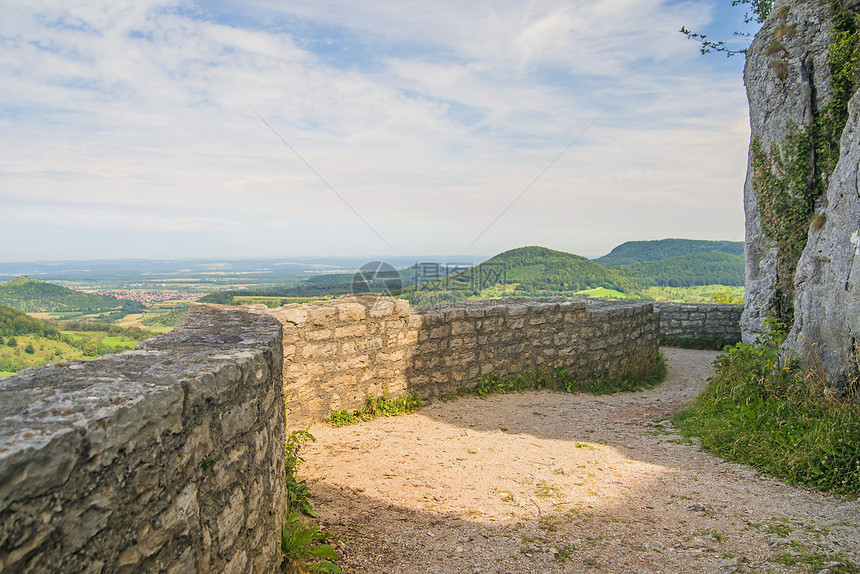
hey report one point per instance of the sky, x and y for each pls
(271, 128)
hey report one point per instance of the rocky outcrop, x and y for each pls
(787, 80)
(826, 331)
(801, 193)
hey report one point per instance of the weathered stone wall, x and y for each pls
(168, 458)
(338, 352)
(689, 321)
(458, 345)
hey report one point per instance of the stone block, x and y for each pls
(230, 519)
(239, 419)
(321, 316)
(381, 308)
(351, 312)
(358, 330)
(291, 316)
(319, 335)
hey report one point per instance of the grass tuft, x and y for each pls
(642, 372)
(375, 407)
(781, 419)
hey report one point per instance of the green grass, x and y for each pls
(780, 419)
(375, 407)
(603, 293)
(6, 373)
(104, 338)
(697, 343)
(816, 562)
(700, 294)
(47, 351)
(304, 547)
(637, 373)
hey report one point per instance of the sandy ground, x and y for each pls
(549, 482)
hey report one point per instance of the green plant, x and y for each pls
(833, 563)
(375, 407)
(790, 177)
(565, 553)
(697, 343)
(726, 297)
(301, 543)
(303, 546)
(638, 372)
(298, 492)
(762, 410)
(208, 463)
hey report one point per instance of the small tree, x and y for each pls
(29, 349)
(12, 342)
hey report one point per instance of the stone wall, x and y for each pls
(168, 458)
(686, 321)
(336, 353)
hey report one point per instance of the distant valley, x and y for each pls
(104, 307)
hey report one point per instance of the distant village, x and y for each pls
(146, 296)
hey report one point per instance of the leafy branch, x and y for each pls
(758, 12)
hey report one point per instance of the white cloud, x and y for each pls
(428, 120)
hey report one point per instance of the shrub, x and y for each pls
(760, 410)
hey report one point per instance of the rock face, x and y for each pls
(787, 80)
(827, 304)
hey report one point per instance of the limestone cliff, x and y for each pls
(801, 193)
(787, 80)
(826, 329)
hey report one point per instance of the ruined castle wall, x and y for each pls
(680, 321)
(168, 458)
(336, 353)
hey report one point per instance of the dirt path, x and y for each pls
(548, 482)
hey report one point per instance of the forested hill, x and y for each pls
(34, 296)
(641, 251)
(542, 268)
(712, 268)
(15, 323)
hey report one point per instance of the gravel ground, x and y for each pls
(549, 482)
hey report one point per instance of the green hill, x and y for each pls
(28, 342)
(34, 296)
(641, 251)
(537, 268)
(14, 323)
(711, 268)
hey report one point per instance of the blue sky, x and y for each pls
(134, 129)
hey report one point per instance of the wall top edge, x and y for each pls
(40, 403)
